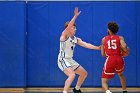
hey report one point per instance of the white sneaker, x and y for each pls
(108, 91)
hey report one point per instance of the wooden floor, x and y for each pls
(59, 90)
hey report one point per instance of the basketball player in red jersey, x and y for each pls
(112, 47)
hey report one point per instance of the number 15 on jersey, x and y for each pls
(112, 44)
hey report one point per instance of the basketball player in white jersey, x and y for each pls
(65, 61)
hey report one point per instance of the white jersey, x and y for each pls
(67, 47)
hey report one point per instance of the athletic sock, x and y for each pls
(64, 91)
(77, 87)
(108, 91)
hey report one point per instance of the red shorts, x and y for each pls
(112, 64)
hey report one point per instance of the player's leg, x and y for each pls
(123, 81)
(119, 70)
(82, 76)
(81, 72)
(71, 75)
(66, 67)
(105, 85)
(108, 73)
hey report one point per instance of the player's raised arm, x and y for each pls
(71, 23)
(87, 45)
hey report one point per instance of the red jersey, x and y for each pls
(112, 45)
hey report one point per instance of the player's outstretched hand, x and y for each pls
(76, 12)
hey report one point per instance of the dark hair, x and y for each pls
(66, 24)
(113, 26)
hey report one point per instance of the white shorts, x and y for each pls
(64, 63)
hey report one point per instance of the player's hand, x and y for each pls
(76, 12)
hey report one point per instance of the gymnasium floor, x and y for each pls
(59, 90)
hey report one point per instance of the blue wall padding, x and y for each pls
(12, 44)
(138, 45)
(38, 44)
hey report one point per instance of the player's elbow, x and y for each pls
(103, 54)
(128, 50)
